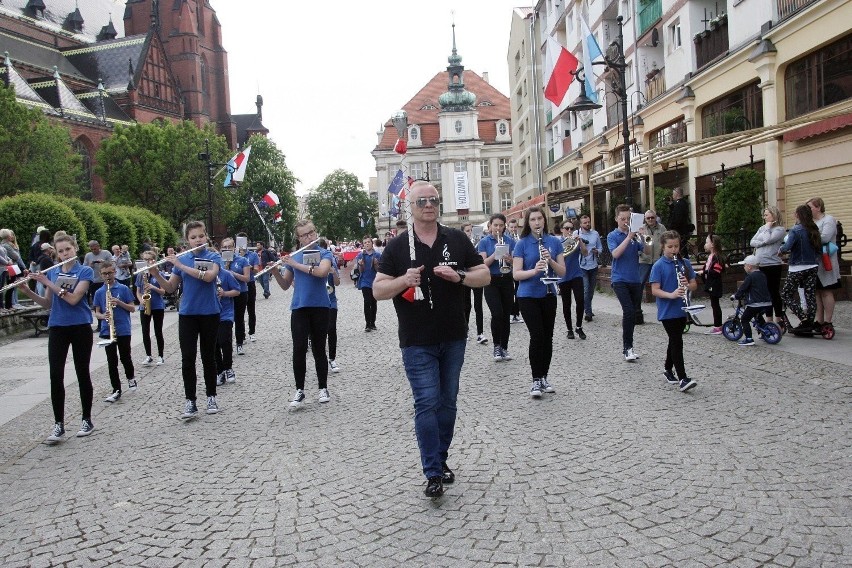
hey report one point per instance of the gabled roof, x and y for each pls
(24, 93)
(111, 61)
(423, 109)
(95, 13)
(57, 94)
(37, 55)
(110, 109)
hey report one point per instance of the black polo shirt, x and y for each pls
(443, 319)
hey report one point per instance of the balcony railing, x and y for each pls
(655, 85)
(711, 43)
(788, 7)
(649, 12)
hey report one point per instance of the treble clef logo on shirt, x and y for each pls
(446, 252)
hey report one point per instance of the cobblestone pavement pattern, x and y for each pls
(617, 468)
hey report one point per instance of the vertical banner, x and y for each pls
(462, 195)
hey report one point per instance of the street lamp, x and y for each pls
(614, 59)
(205, 157)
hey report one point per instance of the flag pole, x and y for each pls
(262, 220)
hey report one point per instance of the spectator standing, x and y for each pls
(654, 229)
(367, 262)
(589, 263)
(766, 242)
(93, 260)
(828, 279)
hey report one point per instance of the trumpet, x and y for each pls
(146, 297)
(644, 240)
(505, 268)
(110, 319)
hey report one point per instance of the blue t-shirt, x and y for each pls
(309, 291)
(237, 266)
(665, 273)
(487, 245)
(228, 283)
(626, 267)
(61, 312)
(332, 298)
(572, 267)
(527, 248)
(156, 298)
(253, 260)
(368, 274)
(120, 315)
(198, 298)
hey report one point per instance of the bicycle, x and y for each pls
(768, 331)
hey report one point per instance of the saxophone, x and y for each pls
(111, 320)
(146, 297)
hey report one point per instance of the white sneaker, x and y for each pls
(252, 338)
(535, 389)
(212, 407)
(297, 399)
(481, 339)
(334, 367)
(160, 361)
(629, 355)
(148, 360)
(323, 395)
(546, 386)
(240, 350)
(113, 397)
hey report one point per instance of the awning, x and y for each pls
(732, 141)
(517, 211)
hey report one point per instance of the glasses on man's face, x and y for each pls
(650, 218)
(308, 234)
(422, 201)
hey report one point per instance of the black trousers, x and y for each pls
(312, 322)
(500, 297)
(192, 331)
(240, 304)
(540, 317)
(224, 346)
(717, 311)
(566, 289)
(250, 303)
(773, 281)
(332, 333)
(370, 307)
(674, 350)
(114, 351)
(157, 317)
(79, 338)
(477, 308)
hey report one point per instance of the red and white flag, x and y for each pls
(558, 65)
(13, 270)
(237, 167)
(270, 199)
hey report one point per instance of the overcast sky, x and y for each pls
(333, 71)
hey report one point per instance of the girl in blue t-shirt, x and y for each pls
(500, 293)
(308, 308)
(367, 262)
(241, 269)
(331, 287)
(671, 277)
(70, 321)
(148, 282)
(198, 317)
(228, 290)
(538, 254)
(122, 307)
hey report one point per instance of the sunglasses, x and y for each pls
(422, 201)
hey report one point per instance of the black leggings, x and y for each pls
(370, 307)
(674, 350)
(773, 281)
(240, 304)
(717, 311)
(193, 330)
(79, 338)
(311, 322)
(114, 351)
(801, 279)
(477, 307)
(574, 286)
(540, 317)
(500, 297)
(250, 303)
(7, 295)
(157, 316)
(332, 333)
(224, 346)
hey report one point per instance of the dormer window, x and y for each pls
(502, 128)
(36, 8)
(413, 133)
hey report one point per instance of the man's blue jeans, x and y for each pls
(264, 283)
(590, 282)
(630, 298)
(644, 274)
(433, 373)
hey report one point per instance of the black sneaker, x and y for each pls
(57, 432)
(189, 410)
(670, 378)
(132, 385)
(297, 399)
(113, 397)
(686, 383)
(86, 428)
(580, 333)
(448, 477)
(434, 488)
(588, 317)
(569, 334)
(220, 379)
(640, 319)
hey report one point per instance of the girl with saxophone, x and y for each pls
(113, 303)
(150, 292)
(66, 293)
(496, 249)
(671, 278)
(538, 265)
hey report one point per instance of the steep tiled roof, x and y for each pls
(423, 109)
(59, 96)
(24, 92)
(247, 123)
(110, 61)
(95, 13)
(37, 55)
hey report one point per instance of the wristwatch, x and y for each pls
(462, 274)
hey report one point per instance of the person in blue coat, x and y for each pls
(572, 283)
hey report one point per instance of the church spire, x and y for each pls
(456, 98)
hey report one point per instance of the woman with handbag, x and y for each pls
(828, 267)
(766, 243)
(803, 243)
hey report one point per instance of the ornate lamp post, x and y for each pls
(205, 157)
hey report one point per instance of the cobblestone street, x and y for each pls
(617, 468)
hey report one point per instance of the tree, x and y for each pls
(266, 171)
(335, 204)
(156, 166)
(37, 153)
(739, 205)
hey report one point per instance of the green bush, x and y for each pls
(25, 212)
(145, 227)
(120, 230)
(739, 204)
(96, 227)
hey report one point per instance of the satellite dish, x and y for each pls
(655, 38)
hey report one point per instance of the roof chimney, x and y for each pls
(485, 77)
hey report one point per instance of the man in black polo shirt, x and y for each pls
(432, 331)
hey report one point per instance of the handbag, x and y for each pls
(826, 258)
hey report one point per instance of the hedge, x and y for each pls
(96, 227)
(24, 213)
(121, 231)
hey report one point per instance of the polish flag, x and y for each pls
(559, 62)
(270, 199)
(13, 270)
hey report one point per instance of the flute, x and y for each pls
(29, 277)
(159, 262)
(280, 261)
